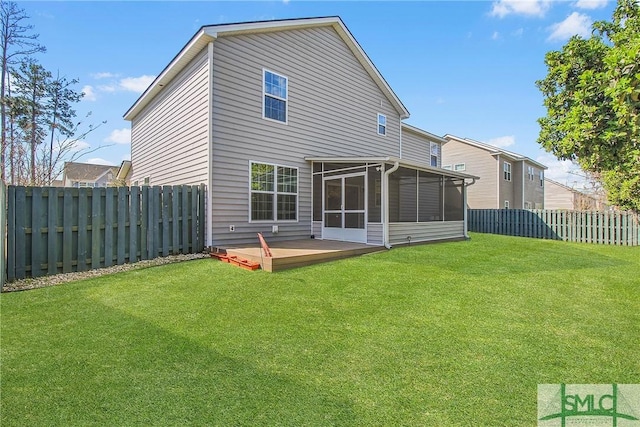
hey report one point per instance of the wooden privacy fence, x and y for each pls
(609, 228)
(3, 233)
(54, 230)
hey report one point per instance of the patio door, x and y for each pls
(344, 208)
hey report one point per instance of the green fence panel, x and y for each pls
(3, 233)
(612, 228)
(52, 230)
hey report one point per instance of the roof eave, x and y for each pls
(391, 159)
(188, 52)
(209, 33)
(424, 133)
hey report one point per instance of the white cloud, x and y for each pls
(591, 4)
(574, 24)
(503, 141)
(107, 88)
(537, 8)
(89, 93)
(99, 161)
(563, 171)
(119, 136)
(136, 84)
(495, 35)
(518, 33)
(100, 76)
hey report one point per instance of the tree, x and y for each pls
(41, 109)
(592, 96)
(62, 115)
(15, 42)
(31, 87)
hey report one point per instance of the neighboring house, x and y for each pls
(296, 134)
(559, 196)
(123, 177)
(87, 175)
(507, 180)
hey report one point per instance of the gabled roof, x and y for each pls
(565, 187)
(424, 133)
(87, 171)
(209, 33)
(495, 150)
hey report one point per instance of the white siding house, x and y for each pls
(294, 132)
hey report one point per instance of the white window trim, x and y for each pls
(506, 204)
(380, 124)
(531, 172)
(434, 151)
(505, 171)
(541, 175)
(264, 93)
(275, 193)
(463, 167)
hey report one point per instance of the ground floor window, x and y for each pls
(274, 192)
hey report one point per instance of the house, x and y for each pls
(87, 175)
(296, 134)
(560, 196)
(123, 177)
(508, 180)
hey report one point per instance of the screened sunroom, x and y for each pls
(387, 201)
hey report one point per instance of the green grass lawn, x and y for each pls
(433, 335)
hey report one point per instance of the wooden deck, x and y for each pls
(298, 253)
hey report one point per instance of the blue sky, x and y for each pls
(467, 68)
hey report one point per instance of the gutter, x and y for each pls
(385, 197)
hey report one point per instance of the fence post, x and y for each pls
(3, 232)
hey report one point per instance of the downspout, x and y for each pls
(385, 197)
(523, 166)
(500, 172)
(464, 204)
(209, 192)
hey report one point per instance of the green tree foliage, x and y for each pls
(592, 96)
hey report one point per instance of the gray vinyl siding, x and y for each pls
(417, 148)
(512, 191)
(483, 194)
(169, 138)
(425, 231)
(316, 229)
(558, 197)
(332, 111)
(533, 191)
(375, 234)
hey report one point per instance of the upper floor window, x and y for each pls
(382, 124)
(274, 192)
(435, 153)
(276, 91)
(527, 205)
(447, 167)
(530, 173)
(507, 171)
(506, 204)
(459, 167)
(541, 178)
